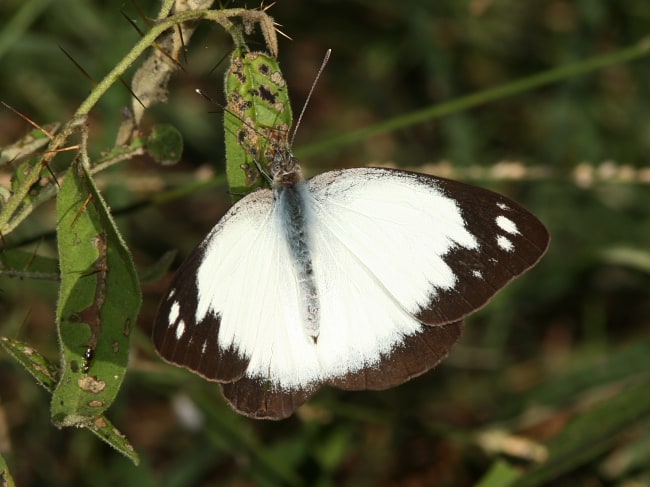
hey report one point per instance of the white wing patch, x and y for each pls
(174, 311)
(385, 219)
(507, 225)
(504, 243)
(180, 329)
(365, 228)
(247, 279)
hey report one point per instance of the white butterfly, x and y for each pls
(358, 278)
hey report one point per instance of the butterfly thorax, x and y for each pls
(285, 169)
(292, 195)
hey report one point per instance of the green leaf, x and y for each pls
(501, 474)
(6, 480)
(628, 458)
(30, 143)
(45, 372)
(23, 157)
(19, 179)
(99, 299)
(257, 118)
(47, 375)
(597, 372)
(104, 430)
(629, 257)
(159, 268)
(18, 263)
(165, 144)
(227, 429)
(592, 433)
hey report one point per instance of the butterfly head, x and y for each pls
(285, 169)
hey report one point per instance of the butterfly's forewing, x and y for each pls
(183, 341)
(440, 247)
(511, 241)
(220, 272)
(231, 312)
(394, 251)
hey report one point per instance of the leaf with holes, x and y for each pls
(99, 299)
(257, 118)
(45, 372)
(47, 375)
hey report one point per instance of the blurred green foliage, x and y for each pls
(554, 369)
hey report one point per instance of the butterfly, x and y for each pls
(355, 278)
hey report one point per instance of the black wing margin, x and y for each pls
(187, 343)
(503, 253)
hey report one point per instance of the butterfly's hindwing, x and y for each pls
(263, 400)
(415, 355)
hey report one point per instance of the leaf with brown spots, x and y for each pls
(99, 295)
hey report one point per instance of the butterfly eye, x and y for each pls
(276, 165)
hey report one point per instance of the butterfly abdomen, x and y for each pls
(293, 216)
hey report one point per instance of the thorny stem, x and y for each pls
(222, 17)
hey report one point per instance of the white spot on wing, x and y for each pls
(478, 274)
(505, 244)
(173, 312)
(180, 329)
(507, 225)
(503, 206)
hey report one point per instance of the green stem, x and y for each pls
(222, 17)
(637, 51)
(20, 194)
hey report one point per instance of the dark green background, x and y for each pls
(549, 345)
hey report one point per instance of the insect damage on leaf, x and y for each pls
(99, 295)
(257, 119)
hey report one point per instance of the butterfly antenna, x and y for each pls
(311, 90)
